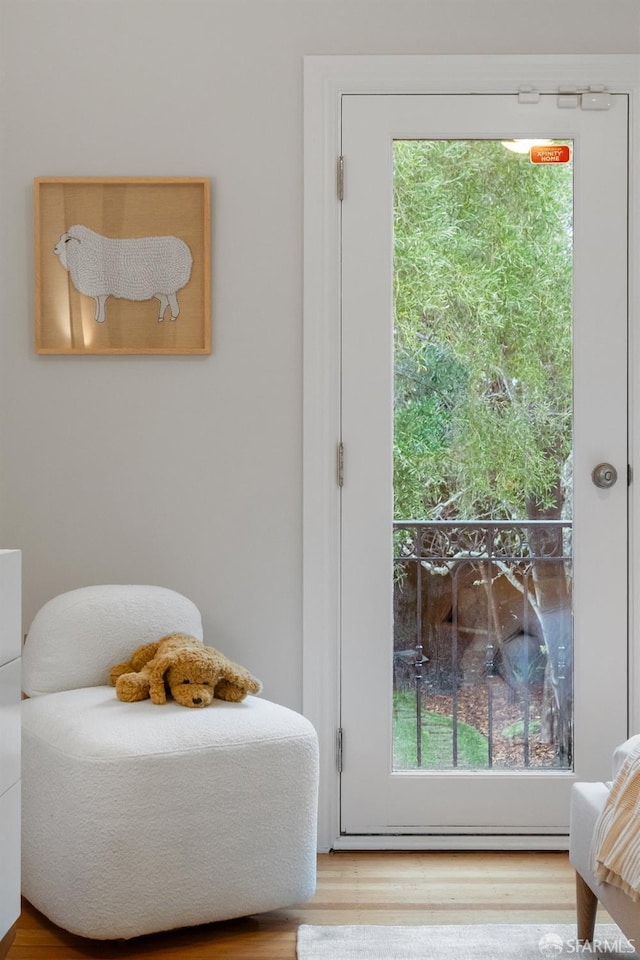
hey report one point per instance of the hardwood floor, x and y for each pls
(394, 888)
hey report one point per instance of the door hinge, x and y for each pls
(629, 475)
(339, 749)
(340, 178)
(340, 464)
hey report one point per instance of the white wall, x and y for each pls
(187, 471)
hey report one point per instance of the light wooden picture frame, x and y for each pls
(122, 265)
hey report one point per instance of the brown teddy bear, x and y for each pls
(182, 665)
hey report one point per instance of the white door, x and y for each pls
(484, 635)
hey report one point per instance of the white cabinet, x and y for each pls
(10, 652)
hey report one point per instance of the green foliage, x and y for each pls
(437, 739)
(516, 729)
(483, 277)
(430, 387)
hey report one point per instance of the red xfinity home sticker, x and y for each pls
(550, 153)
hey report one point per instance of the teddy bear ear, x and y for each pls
(157, 673)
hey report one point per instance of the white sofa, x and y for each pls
(587, 802)
(140, 817)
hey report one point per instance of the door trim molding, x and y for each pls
(326, 79)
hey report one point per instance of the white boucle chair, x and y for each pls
(137, 817)
(587, 803)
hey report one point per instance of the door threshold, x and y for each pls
(538, 841)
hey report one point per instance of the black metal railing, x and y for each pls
(483, 636)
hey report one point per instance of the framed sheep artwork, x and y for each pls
(122, 265)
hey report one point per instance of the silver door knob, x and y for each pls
(604, 475)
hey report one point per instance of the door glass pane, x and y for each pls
(482, 660)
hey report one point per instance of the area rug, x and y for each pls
(491, 941)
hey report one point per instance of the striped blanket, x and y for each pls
(616, 840)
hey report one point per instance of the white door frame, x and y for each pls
(326, 79)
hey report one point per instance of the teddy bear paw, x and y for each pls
(131, 687)
(117, 671)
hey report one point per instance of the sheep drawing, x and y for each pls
(132, 269)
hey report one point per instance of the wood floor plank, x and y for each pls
(365, 887)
